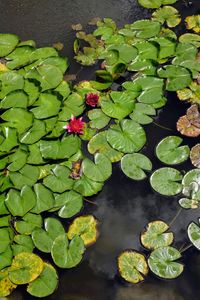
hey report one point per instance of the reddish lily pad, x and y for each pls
(195, 155)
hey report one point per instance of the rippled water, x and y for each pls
(124, 206)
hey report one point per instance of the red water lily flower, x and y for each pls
(75, 125)
(92, 99)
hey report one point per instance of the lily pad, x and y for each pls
(67, 254)
(6, 286)
(28, 223)
(162, 262)
(45, 284)
(44, 199)
(169, 152)
(191, 184)
(127, 136)
(186, 128)
(73, 106)
(86, 228)
(87, 187)
(9, 139)
(155, 235)
(22, 243)
(10, 81)
(132, 266)
(8, 42)
(134, 165)
(6, 258)
(69, 204)
(25, 268)
(28, 175)
(142, 113)
(5, 239)
(43, 238)
(193, 23)
(166, 181)
(99, 144)
(190, 38)
(15, 99)
(98, 119)
(34, 134)
(194, 234)
(146, 28)
(47, 106)
(167, 14)
(17, 160)
(195, 156)
(191, 94)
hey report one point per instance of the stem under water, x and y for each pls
(175, 217)
(91, 202)
(161, 126)
(186, 248)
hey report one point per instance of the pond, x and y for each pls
(124, 206)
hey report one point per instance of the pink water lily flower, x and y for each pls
(75, 125)
(92, 99)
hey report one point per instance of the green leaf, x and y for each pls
(128, 136)
(133, 166)
(32, 90)
(15, 99)
(142, 112)
(166, 46)
(177, 77)
(43, 239)
(167, 14)
(190, 38)
(193, 23)
(10, 81)
(20, 57)
(3, 208)
(132, 266)
(18, 118)
(25, 268)
(69, 204)
(65, 148)
(35, 157)
(87, 187)
(45, 284)
(67, 255)
(6, 286)
(166, 181)
(101, 170)
(47, 106)
(28, 175)
(145, 28)
(194, 234)
(28, 223)
(99, 144)
(20, 203)
(191, 184)
(5, 239)
(10, 139)
(22, 243)
(126, 53)
(8, 42)
(155, 236)
(98, 119)
(59, 181)
(49, 76)
(44, 199)
(162, 262)
(169, 152)
(188, 203)
(118, 105)
(73, 106)
(6, 258)
(86, 228)
(147, 50)
(34, 134)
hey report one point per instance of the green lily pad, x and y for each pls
(101, 170)
(15, 99)
(162, 262)
(32, 90)
(6, 286)
(47, 106)
(35, 157)
(86, 228)
(146, 28)
(193, 23)
(127, 136)
(69, 204)
(5, 239)
(43, 238)
(118, 105)
(25, 268)
(20, 57)
(6, 258)
(28, 175)
(191, 184)
(177, 77)
(10, 81)
(45, 284)
(98, 119)
(187, 203)
(191, 94)
(21, 203)
(132, 266)
(142, 113)
(22, 243)
(87, 187)
(167, 47)
(67, 254)
(28, 223)
(167, 14)
(169, 152)
(17, 160)
(166, 181)
(133, 166)
(34, 134)
(44, 199)
(73, 106)
(194, 234)
(190, 38)
(99, 144)
(155, 235)
(9, 139)
(8, 42)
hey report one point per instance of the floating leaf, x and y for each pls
(194, 234)
(193, 23)
(6, 286)
(10, 81)
(155, 235)
(127, 136)
(146, 28)
(17, 160)
(67, 255)
(142, 112)
(99, 144)
(191, 94)
(191, 184)
(28, 223)
(45, 284)
(46, 106)
(43, 239)
(190, 38)
(186, 128)
(98, 119)
(20, 57)
(162, 262)
(23, 243)
(101, 170)
(169, 152)
(132, 266)
(25, 268)
(69, 204)
(134, 165)
(193, 115)
(166, 181)
(177, 77)
(44, 199)
(167, 14)
(15, 99)
(187, 203)
(9, 139)
(34, 134)
(87, 187)
(86, 228)
(195, 155)
(73, 106)
(5, 239)
(6, 258)
(8, 42)
(28, 175)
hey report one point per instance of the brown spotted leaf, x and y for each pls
(193, 115)
(186, 128)
(195, 156)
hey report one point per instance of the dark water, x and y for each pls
(124, 207)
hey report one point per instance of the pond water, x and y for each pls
(124, 207)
